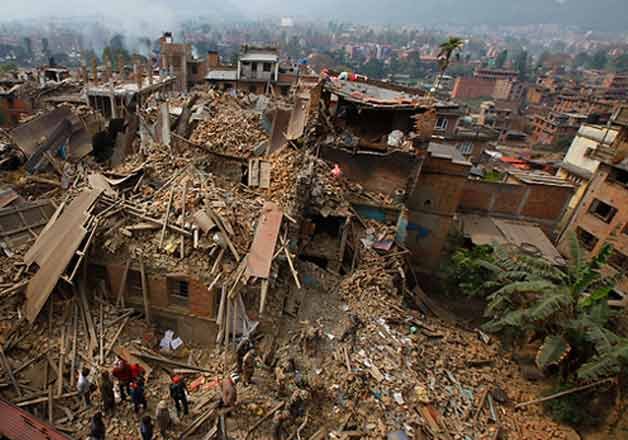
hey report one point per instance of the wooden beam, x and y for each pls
(45, 399)
(91, 330)
(61, 362)
(122, 286)
(116, 336)
(263, 295)
(165, 224)
(144, 290)
(7, 368)
(263, 419)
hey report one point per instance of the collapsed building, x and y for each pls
(297, 223)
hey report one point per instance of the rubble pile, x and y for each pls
(231, 130)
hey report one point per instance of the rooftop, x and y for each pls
(446, 151)
(375, 95)
(534, 178)
(260, 56)
(489, 231)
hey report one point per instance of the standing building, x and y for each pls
(579, 165)
(258, 69)
(602, 215)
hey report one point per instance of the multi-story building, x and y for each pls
(492, 115)
(602, 215)
(554, 127)
(496, 74)
(579, 165)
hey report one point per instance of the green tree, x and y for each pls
(501, 59)
(447, 50)
(568, 308)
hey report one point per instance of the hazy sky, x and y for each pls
(160, 13)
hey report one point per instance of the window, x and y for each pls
(254, 67)
(267, 67)
(178, 290)
(618, 176)
(587, 239)
(465, 148)
(603, 211)
(441, 123)
(134, 284)
(619, 261)
(194, 69)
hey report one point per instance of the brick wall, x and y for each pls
(469, 88)
(375, 173)
(431, 209)
(542, 204)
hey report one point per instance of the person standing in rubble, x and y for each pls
(248, 366)
(137, 374)
(162, 416)
(122, 372)
(178, 390)
(146, 428)
(138, 397)
(278, 430)
(84, 387)
(229, 395)
(97, 427)
(106, 394)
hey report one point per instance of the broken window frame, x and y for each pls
(619, 261)
(587, 239)
(178, 288)
(267, 67)
(608, 211)
(618, 177)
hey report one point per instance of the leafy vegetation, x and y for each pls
(465, 272)
(447, 49)
(530, 298)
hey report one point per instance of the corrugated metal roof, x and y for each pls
(484, 230)
(18, 424)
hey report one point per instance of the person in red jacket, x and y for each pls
(123, 372)
(137, 374)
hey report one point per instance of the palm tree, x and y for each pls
(447, 49)
(568, 308)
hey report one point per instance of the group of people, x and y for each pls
(131, 382)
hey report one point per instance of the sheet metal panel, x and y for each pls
(263, 247)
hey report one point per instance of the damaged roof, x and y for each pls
(484, 230)
(375, 95)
